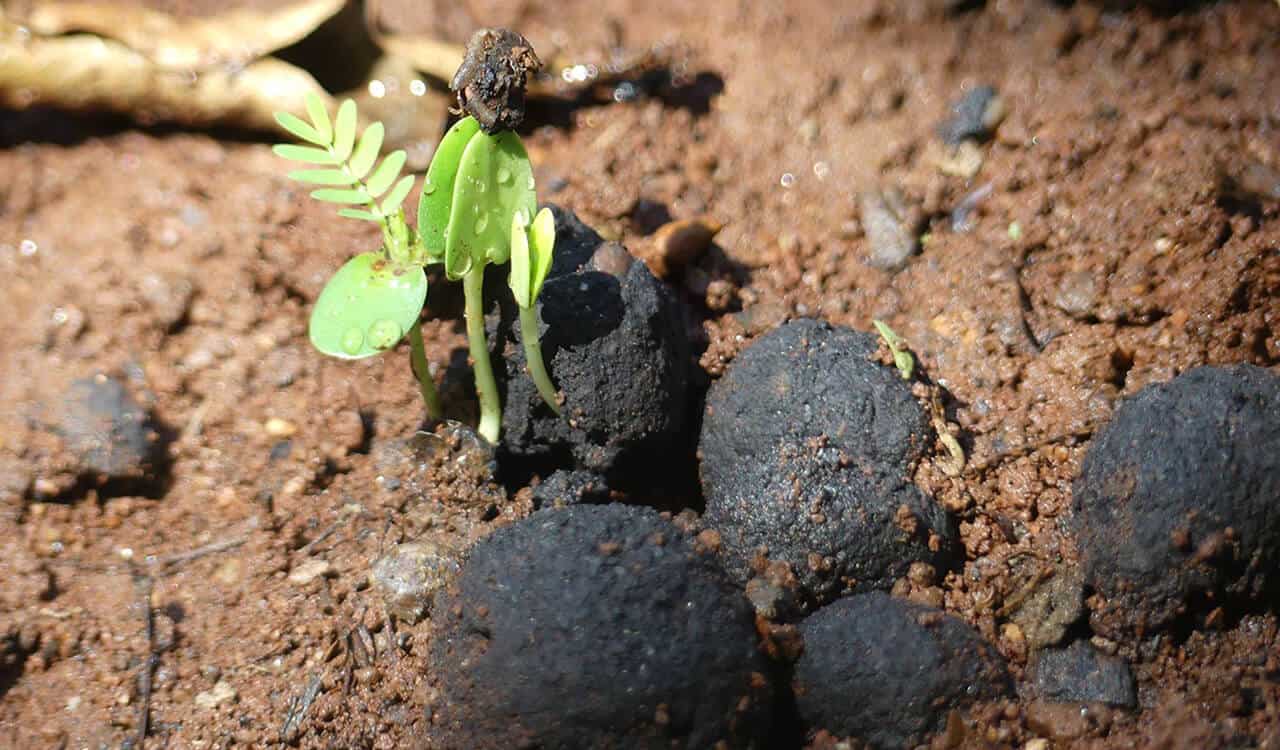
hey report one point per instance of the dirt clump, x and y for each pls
(806, 450)
(1177, 498)
(615, 346)
(888, 671)
(595, 626)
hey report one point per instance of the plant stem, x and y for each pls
(533, 358)
(418, 359)
(486, 387)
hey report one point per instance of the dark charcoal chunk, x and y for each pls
(888, 671)
(570, 488)
(1080, 673)
(112, 437)
(1178, 497)
(973, 116)
(614, 342)
(806, 449)
(595, 626)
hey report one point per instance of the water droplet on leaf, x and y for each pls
(352, 340)
(428, 187)
(530, 183)
(384, 334)
(482, 222)
(504, 175)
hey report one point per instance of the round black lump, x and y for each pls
(1178, 498)
(595, 626)
(806, 450)
(613, 339)
(888, 671)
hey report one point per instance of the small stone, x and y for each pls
(888, 228)
(1082, 674)
(280, 428)
(309, 571)
(1054, 606)
(1077, 294)
(409, 577)
(109, 433)
(168, 297)
(215, 696)
(974, 116)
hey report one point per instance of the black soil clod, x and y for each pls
(565, 487)
(595, 626)
(1080, 673)
(614, 342)
(888, 671)
(490, 83)
(113, 438)
(973, 116)
(806, 451)
(1179, 498)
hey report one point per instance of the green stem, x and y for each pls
(533, 358)
(418, 359)
(486, 387)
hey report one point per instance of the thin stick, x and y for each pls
(148, 667)
(418, 358)
(533, 358)
(486, 386)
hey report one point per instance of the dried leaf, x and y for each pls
(230, 39)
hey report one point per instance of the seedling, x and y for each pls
(902, 358)
(477, 207)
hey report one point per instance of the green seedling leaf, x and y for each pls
(531, 251)
(359, 213)
(542, 244)
(902, 358)
(366, 152)
(520, 263)
(392, 202)
(299, 127)
(319, 117)
(323, 176)
(308, 154)
(494, 182)
(386, 173)
(437, 191)
(344, 131)
(367, 307)
(341, 196)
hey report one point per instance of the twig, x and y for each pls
(298, 708)
(208, 549)
(144, 708)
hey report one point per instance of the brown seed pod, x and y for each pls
(490, 83)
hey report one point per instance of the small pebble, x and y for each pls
(1082, 674)
(280, 428)
(410, 575)
(888, 229)
(974, 116)
(309, 571)
(215, 696)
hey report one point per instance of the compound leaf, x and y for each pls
(319, 117)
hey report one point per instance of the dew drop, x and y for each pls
(529, 184)
(384, 334)
(504, 175)
(482, 222)
(428, 187)
(352, 340)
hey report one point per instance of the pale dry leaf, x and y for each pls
(230, 39)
